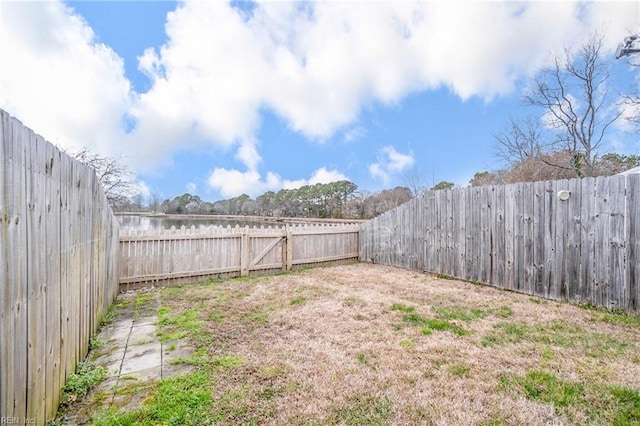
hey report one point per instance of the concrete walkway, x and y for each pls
(134, 355)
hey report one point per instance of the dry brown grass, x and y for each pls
(337, 345)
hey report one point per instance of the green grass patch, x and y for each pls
(503, 312)
(430, 324)
(199, 357)
(179, 400)
(626, 406)
(505, 332)
(599, 403)
(459, 370)
(141, 303)
(216, 317)
(174, 290)
(256, 318)
(364, 410)
(461, 314)
(547, 354)
(415, 319)
(108, 317)
(546, 387)
(78, 384)
(427, 331)
(95, 343)
(122, 303)
(298, 301)
(178, 326)
(613, 316)
(406, 343)
(443, 325)
(169, 337)
(186, 320)
(402, 308)
(227, 362)
(556, 334)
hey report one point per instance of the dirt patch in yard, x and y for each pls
(369, 344)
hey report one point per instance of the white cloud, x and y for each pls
(321, 175)
(354, 133)
(141, 187)
(231, 183)
(317, 65)
(58, 80)
(191, 187)
(390, 163)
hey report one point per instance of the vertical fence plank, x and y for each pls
(548, 247)
(616, 259)
(632, 227)
(53, 232)
(519, 271)
(561, 227)
(602, 238)
(510, 235)
(460, 196)
(473, 234)
(572, 248)
(36, 278)
(499, 231)
(19, 266)
(6, 326)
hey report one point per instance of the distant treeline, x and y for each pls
(323, 200)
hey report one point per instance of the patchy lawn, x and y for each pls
(367, 344)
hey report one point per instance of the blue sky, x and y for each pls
(220, 99)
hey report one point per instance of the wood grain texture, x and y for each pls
(58, 252)
(522, 237)
(164, 255)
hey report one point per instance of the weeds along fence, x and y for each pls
(524, 237)
(182, 255)
(58, 275)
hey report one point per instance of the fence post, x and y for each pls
(288, 243)
(244, 252)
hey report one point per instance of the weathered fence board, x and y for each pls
(522, 237)
(165, 255)
(58, 247)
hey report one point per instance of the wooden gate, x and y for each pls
(264, 251)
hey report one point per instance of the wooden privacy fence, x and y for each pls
(522, 237)
(172, 255)
(58, 275)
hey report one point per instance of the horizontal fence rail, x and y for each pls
(184, 254)
(58, 246)
(575, 240)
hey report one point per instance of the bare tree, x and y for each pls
(415, 181)
(519, 141)
(632, 103)
(631, 106)
(498, 177)
(154, 202)
(577, 104)
(113, 174)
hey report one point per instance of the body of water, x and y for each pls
(167, 221)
